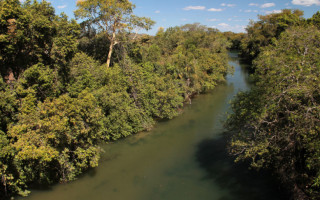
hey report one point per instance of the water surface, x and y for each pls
(181, 159)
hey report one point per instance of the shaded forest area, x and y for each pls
(66, 87)
(276, 125)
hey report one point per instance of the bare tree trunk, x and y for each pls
(112, 43)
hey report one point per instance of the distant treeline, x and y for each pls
(276, 125)
(59, 99)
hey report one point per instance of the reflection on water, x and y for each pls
(180, 159)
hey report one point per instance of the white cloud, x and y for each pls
(306, 2)
(268, 5)
(228, 5)
(184, 19)
(249, 11)
(63, 6)
(213, 20)
(273, 11)
(215, 9)
(157, 11)
(194, 8)
(224, 25)
(253, 4)
(227, 27)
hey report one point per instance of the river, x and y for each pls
(180, 159)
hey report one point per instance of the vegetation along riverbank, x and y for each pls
(67, 87)
(276, 123)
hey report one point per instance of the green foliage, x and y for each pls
(8, 108)
(39, 79)
(31, 33)
(8, 105)
(95, 46)
(193, 54)
(59, 139)
(112, 17)
(84, 73)
(267, 29)
(57, 101)
(278, 122)
(30, 36)
(123, 116)
(64, 45)
(315, 20)
(235, 38)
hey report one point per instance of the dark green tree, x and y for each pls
(277, 123)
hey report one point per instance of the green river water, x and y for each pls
(180, 159)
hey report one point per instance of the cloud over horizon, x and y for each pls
(213, 20)
(215, 9)
(268, 5)
(228, 5)
(194, 8)
(306, 2)
(273, 11)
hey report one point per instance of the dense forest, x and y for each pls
(276, 123)
(67, 87)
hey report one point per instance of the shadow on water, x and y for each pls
(240, 182)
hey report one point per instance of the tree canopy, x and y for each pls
(267, 29)
(111, 17)
(276, 124)
(57, 100)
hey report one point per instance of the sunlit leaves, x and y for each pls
(278, 121)
(68, 126)
(111, 17)
(269, 27)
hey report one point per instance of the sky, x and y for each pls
(225, 15)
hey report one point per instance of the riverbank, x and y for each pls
(183, 158)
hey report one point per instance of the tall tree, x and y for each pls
(111, 17)
(278, 120)
(268, 28)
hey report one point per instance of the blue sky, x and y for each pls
(226, 15)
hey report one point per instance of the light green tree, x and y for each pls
(111, 17)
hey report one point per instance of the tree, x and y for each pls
(40, 80)
(111, 17)
(315, 20)
(30, 33)
(277, 122)
(56, 139)
(85, 72)
(268, 28)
